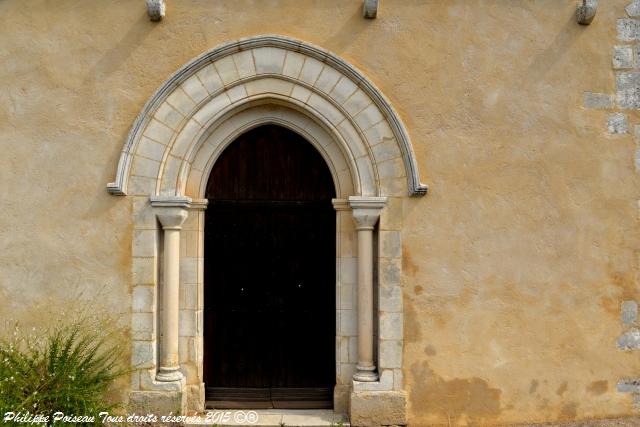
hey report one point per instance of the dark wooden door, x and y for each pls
(269, 332)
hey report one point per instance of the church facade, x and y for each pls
(405, 212)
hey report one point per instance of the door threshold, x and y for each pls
(275, 418)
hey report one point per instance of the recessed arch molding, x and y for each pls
(267, 69)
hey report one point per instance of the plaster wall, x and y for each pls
(515, 265)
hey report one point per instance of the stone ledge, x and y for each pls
(378, 408)
(157, 402)
(611, 422)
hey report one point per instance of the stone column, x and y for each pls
(365, 211)
(171, 212)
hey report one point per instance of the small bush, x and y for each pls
(67, 370)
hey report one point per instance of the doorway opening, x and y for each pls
(270, 275)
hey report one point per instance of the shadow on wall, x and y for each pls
(113, 59)
(544, 61)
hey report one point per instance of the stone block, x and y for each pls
(341, 394)
(389, 149)
(346, 296)
(300, 93)
(396, 187)
(188, 323)
(144, 270)
(157, 402)
(328, 111)
(244, 64)
(353, 349)
(269, 60)
(345, 372)
(630, 340)
(367, 180)
(237, 93)
(389, 273)
(293, 64)
(391, 215)
(145, 167)
(189, 270)
(212, 108)
(391, 169)
(195, 397)
(181, 102)
(168, 115)
(144, 243)
(629, 312)
(598, 100)
(144, 354)
(348, 270)
(368, 117)
(357, 102)
(377, 408)
(379, 133)
(342, 349)
(343, 90)
(327, 79)
(143, 299)
(629, 386)
(142, 326)
(227, 70)
(170, 175)
(390, 244)
(195, 89)
(210, 79)
(390, 299)
(633, 9)
(349, 133)
(617, 123)
(628, 90)
(628, 29)
(260, 86)
(623, 57)
(390, 326)
(310, 71)
(398, 379)
(151, 149)
(390, 354)
(141, 186)
(348, 324)
(186, 138)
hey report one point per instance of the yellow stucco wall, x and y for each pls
(517, 261)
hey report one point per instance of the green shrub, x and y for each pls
(68, 370)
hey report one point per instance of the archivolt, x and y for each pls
(268, 79)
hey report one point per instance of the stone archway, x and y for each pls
(164, 167)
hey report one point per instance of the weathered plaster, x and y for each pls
(516, 264)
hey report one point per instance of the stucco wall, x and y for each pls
(516, 263)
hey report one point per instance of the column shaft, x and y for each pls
(171, 212)
(170, 298)
(365, 211)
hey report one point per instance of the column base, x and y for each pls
(365, 374)
(378, 408)
(169, 375)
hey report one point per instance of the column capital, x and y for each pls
(366, 210)
(171, 211)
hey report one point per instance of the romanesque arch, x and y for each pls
(164, 167)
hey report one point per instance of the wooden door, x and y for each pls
(269, 332)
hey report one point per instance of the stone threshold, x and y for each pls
(278, 418)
